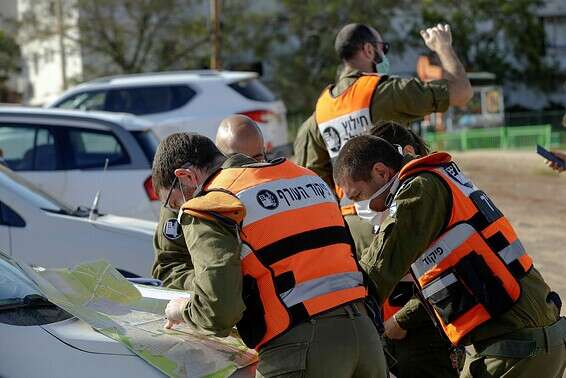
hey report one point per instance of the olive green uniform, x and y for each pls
(422, 352)
(172, 265)
(422, 208)
(404, 101)
(395, 99)
(339, 343)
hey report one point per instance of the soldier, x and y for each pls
(410, 335)
(463, 254)
(236, 133)
(293, 288)
(365, 94)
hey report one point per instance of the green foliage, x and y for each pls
(10, 56)
(504, 37)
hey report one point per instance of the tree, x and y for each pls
(127, 36)
(10, 57)
(504, 37)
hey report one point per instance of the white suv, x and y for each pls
(185, 101)
(63, 152)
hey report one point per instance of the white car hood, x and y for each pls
(125, 223)
(80, 335)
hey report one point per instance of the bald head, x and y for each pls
(240, 134)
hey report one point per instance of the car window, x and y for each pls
(85, 101)
(27, 148)
(91, 148)
(13, 282)
(9, 217)
(253, 89)
(148, 100)
(148, 142)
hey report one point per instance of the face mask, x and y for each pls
(363, 207)
(382, 67)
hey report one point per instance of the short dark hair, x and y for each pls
(395, 133)
(358, 156)
(351, 39)
(177, 150)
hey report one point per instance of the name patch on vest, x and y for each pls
(340, 130)
(269, 198)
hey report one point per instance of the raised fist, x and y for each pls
(437, 37)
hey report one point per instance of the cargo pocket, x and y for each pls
(252, 326)
(288, 359)
(484, 285)
(449, 297)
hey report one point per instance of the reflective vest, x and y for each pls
(401, 294)
(344, 117)
(297, 257)
(470, 273)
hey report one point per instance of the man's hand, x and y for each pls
(558, 168)
(438, 37)
(393, 330)
(174, 312)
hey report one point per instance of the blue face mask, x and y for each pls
(382, 66)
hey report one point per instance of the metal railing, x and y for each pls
(492, 138)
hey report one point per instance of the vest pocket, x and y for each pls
(483, 284)
(449, 297)
(252, 326)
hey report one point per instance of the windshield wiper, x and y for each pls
(31, 300)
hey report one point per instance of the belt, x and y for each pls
(525, 342)
(351, 310)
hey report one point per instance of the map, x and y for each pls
(97, 294)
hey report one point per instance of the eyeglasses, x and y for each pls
(175, 181)
(385, 46)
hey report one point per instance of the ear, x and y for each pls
(367, 50)
(408, 149)
(381, 170)
(187, 175)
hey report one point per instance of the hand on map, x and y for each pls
(393, 330)
(174, 312)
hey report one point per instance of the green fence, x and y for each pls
(493, 138)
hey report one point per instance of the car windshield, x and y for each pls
(31, 193)
(14, 284)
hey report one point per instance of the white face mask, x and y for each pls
(363, 207)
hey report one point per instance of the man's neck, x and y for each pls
(357, 66)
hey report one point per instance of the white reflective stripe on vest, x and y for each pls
(277, 196)
(245, 251)
(439, 284)
(454, 174)
(442, 248)
(336, 132)
(320, 286)
(512, 252)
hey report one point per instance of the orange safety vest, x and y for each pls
(470, 274)
(297, 257)
(344, 117)
(399, 297)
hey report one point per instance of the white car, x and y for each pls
(64, 152)
(39, 339)
(40, 230)
(185, 101)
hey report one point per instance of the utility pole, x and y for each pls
(61, 33)
(215, 63)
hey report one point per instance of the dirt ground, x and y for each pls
(534, 199)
